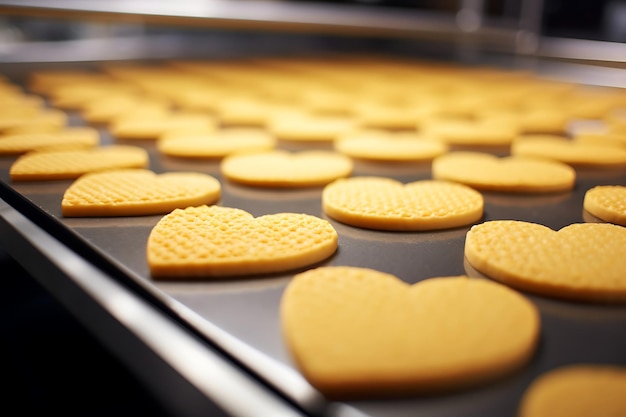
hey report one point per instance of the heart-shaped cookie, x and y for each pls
(217, 144)
(389, 146)
(142, 126)
(66, 138)
(581, 261)
(511, 174)
(70, 164)
(607, 202)
(45, 120)
(137, 192)
(578, 390)
(214, 241)
(306, 127)
(488, 132)
(386, 204)
(572, 152)
(356, 332)
(284, 169)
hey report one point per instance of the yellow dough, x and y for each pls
(579, 390)
(70, 164)
(213, 241)
(386, 204)
(216, 144)
(284, 169)
(389, 146)
(136, 192)
(581, 261)
(607, 202)
(357, 332)
(512, 174)
(576, 153)
(20, 143)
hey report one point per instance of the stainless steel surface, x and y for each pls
(241, 316)
(468, 26)
(583, 50)
(272, 15)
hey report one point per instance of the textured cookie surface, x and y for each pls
(284, 169)
(69, 164)
(214, 241)
(356, 332)
(580, 153)
(389, 146)
(577, 391)
(386, 204)
(607, 202)
(216, 145)
(581, 261)
(132, 192)
(513, 174)
(68, 137)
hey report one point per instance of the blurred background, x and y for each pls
(577, 29)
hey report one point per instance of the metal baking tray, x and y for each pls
(240, 318)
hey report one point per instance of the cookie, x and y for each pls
(322, 100)
(582, 262)
(360, 333)
(578, 390)
(392, 117)
(389, 146)
(137, 192)
(484, 171)
(202, 99)
(575, 153)
(310, 128)
(386, 204)
(47, 120)
(70, 164)
(217, 144)
(245, 111)
(283, 169)
(213, 241)
(107, 110)
(489, 132)
(47, 81)
(20, 104)
(604, 137)
(549, 120)
(607, 202)
(142, 126)
(76, 95)
(591, 103)
(20, 143)
(616, 120)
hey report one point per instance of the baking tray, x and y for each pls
(241, 317)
